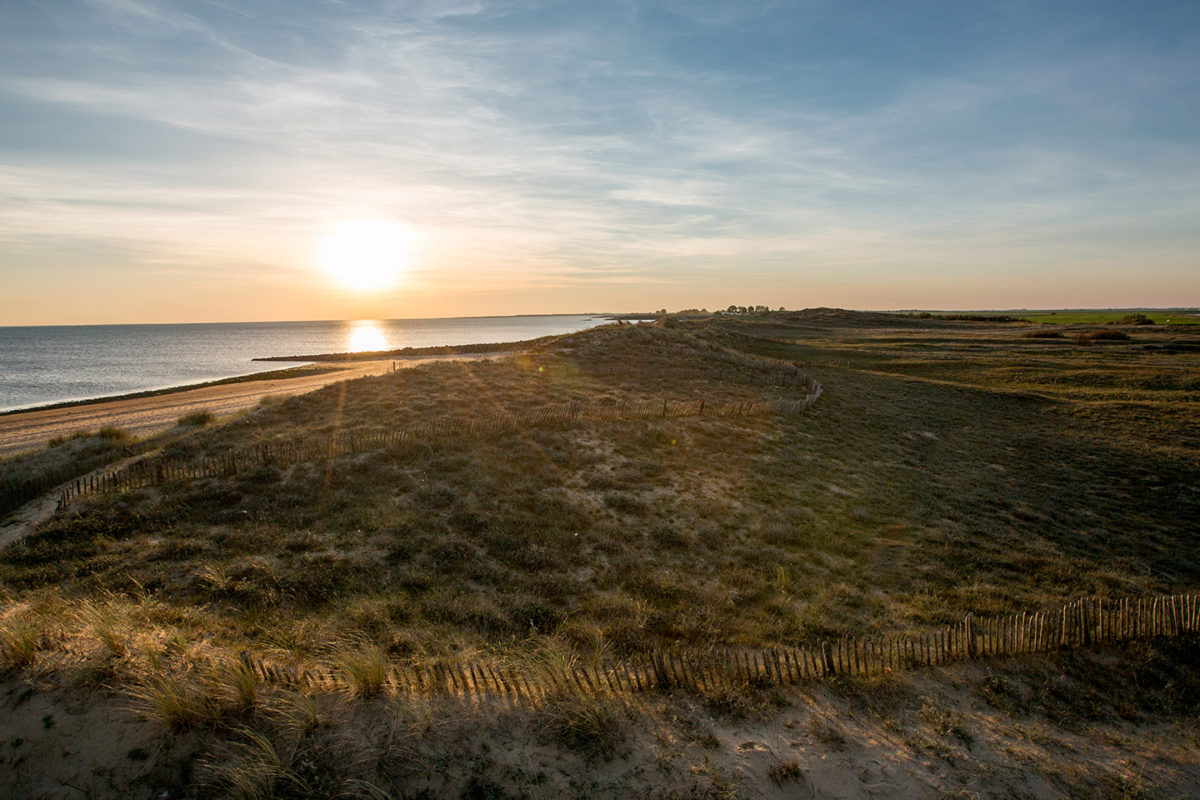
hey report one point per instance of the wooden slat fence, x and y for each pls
(1086, 622)
(17, 491)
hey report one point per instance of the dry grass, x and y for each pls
(250, 768)
(1031, 484)
(950, 467)
(199, 418)
(20, 640)
(237, 684)
(366, 669)
(593, 728)
(28, 475)
(1084, 723)
(178, 700)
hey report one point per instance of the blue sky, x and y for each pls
(184, 161)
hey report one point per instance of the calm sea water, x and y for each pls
(41, 365)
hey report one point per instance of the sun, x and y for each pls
(366, 254)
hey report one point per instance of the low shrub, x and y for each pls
(1101, 336)
(198, 419)
(1135, 319)
(785, 771)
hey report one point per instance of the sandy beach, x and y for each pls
(142, 416)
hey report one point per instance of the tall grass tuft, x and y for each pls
(20, 640)
(251, 770)
(179, 701)
(366, 669)
(365, 790)
(107, 624)
(589, 726)
(552, 660)
(301, 715)
(236, 684)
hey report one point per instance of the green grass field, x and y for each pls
(1083, 317)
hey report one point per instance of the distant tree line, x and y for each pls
(733, 309)
(751, 310)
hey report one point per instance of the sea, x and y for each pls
(42, 365)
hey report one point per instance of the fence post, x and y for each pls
(970, 623)
(827, 658)
(1085, 623)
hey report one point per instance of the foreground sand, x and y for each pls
(142, 416)
(929, 735)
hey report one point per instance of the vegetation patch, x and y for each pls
(948, 468)
(26, 476)
(199, 418)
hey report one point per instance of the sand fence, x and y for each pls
(1087, 622)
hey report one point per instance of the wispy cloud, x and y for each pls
(542, 145)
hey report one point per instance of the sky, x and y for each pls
(192, 160)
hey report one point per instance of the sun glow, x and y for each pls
(366, 254)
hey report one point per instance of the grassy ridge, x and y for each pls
(949, 466)
(943, 472)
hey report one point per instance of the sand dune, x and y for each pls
(141, 416)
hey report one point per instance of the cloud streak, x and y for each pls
(672, 145)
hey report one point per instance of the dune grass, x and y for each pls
(944, 472)
(199, 418)
(949, 467)
(26, 476)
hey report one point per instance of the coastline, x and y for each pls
(63, 366)
(265, 375)
(480, 349)
(148, 413)
(435, 351)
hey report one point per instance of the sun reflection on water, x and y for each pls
(365, 335)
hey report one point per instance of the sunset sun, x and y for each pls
(366, 254)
